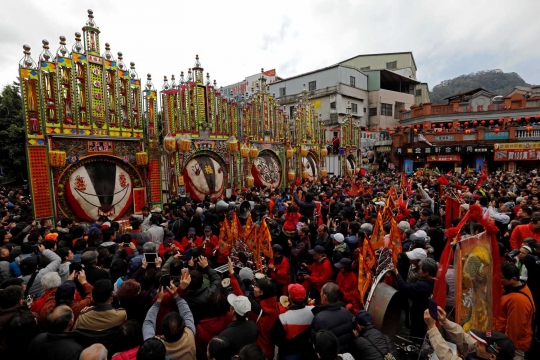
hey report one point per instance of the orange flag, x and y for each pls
(265, 240)
(365, 278)
(395, 244)
(368, 254)
(224, 237)
(377, 238)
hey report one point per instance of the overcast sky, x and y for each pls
(235, 39)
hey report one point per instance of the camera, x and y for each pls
(512, 254)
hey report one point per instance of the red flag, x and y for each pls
(452, 211)
(377, 237)
(481, 180)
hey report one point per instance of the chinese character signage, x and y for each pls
(139, 200)
(490, 135)
(517, 146)
(443, 150)
(100, 147)
(444, 158)
(444, 138)
(518, 154)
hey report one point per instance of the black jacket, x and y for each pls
(372, 345)
(307, 209)
(240, 333)
(94, 274)
(436, 240)
(336, 319)
(419, 294)
(197, 299)
(47, 346)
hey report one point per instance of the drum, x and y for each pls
(385, 305)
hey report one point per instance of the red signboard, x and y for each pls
(444, 158)
(139, 200)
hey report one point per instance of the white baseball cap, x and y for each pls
(418, 235)
(338, 237)
(240, 304)
(246, 274)
(416, 254)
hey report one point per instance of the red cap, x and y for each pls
(297, 293)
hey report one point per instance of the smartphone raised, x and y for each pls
(150, 257)
(165, 280)
(432, 306)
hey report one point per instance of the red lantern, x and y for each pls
(395, 127)
(415, 131)
(475, 122)
(402, 127)
(491, 122)
(388, 128)
(433, 125)
(450, 124)
(441, 125)
(418, 126)
(528, 128)
(426, 126)
(483, 122)
(439, 130)
(373, 128)
(497, 130)
(391, 132)
(537, 117)
(380, 127)
(410, 126)
(527, 118)
(501, 121)
(468, 131)
(466, 123)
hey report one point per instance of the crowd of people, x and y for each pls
(164, 290)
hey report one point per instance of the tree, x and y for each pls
(496, 81)
(13, 143)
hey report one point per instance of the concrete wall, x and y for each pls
(424, 98)
(387, 97)
(377, 62)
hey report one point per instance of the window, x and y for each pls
(354, 108)
(391, 65)
(386, 109)
(312, 85)
(353, 81)
(282, 92)
(418, 92)
(333, 105)
(365, 68)
(373, 111)
(291, 112)
(398, 106)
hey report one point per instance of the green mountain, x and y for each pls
(496, 81)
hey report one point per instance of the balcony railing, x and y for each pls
(522, 134)
(457, 108)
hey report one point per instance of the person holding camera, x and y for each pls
(488, 345)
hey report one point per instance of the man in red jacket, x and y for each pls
(321, 271)
(530, 230)
(278, 270)
(169, 243)
(348, 285)
(210, 242)
(191, 240)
